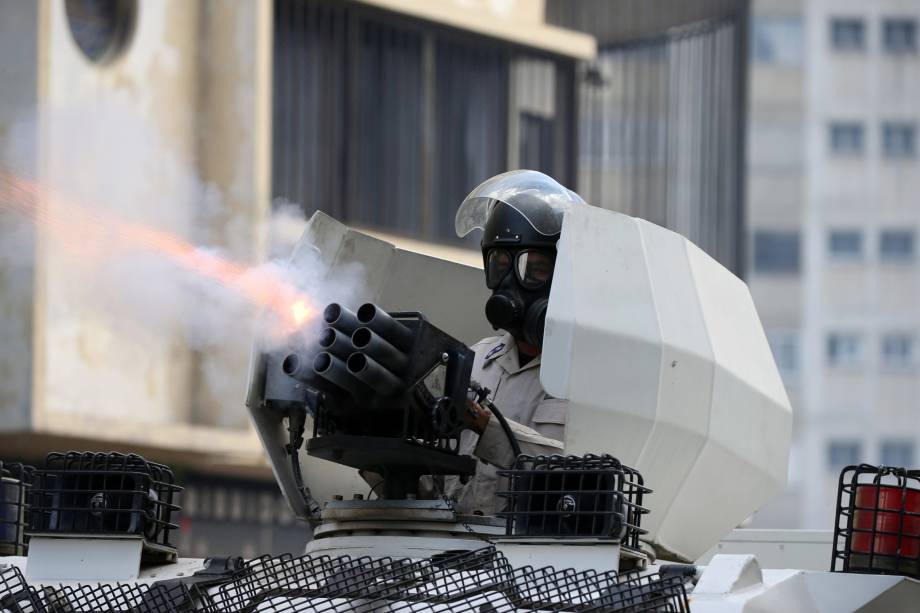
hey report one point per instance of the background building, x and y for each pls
(832, 181)
(200, 119)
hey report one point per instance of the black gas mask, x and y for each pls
(519, 263)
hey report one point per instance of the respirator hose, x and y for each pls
(509, 433)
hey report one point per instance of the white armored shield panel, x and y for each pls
(663, 358)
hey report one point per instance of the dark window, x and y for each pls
(310, 123)
(843, 453)
(785, 347)
(899, 140)
(897, 349)
(845, 244)
(848, 34)
(101, 28)
(843, 349)
(776, 252)
(897, 245)
(536, 141)
(777, 39)
(846, 138)
(388, 123)
(899, 454)
(471, 111)
(900, 35)
(387, 188)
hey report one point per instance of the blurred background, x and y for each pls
(779, 135)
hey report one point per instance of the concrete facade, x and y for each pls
(195, 78)
(829, 112)
(80, 387)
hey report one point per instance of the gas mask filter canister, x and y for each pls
(519, 301)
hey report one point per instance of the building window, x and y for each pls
(896, 245)
(846, 138)
(267, 506)
(843, 453)
(848, 34)
(898, 453)
(899, 140)
(777, 39)
(785, 347)
(845, 244)
(899, 35)
(188, 501)
(101, 29)
(897, 349)
(387, 123)
(843, 349)
(776, 252)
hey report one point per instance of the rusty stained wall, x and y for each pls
(189, 77)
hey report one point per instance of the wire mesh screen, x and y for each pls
(878, 521)
(467, 581)
(16, 596)
(575, 496)
(15, 481)
(473, 582)
(104, 493)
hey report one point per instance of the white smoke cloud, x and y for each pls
(116, 170)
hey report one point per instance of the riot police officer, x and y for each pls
(520, 214)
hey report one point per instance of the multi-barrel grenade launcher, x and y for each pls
(387, 394)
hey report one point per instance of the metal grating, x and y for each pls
(878, 521)
(367, 579)
(18, 597)
(473, 582)
(575, 496)
(104, 493)
(15, 594)
(15, 482)
(137, 598)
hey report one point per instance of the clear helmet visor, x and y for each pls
(538, 198)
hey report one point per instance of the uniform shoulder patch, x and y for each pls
(494, 350)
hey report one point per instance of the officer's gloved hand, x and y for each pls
(476, 417)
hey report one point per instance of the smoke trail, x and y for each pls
(93, 237)
(140, 258)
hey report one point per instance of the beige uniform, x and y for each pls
(515, 391)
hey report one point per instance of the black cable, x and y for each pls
(296, 423)
(512, 439)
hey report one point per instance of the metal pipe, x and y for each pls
(341, 318)
(298, 366)
(372, 374)
(336, 343)
(375, 346)
(335, 371)
(379, 321)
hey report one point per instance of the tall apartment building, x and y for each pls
(832, 183)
